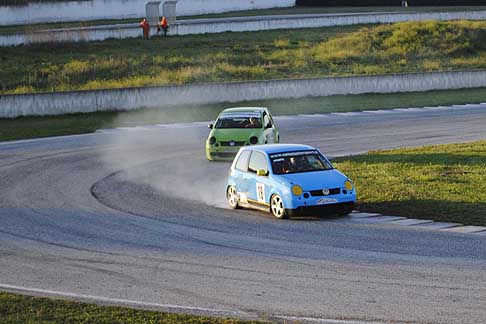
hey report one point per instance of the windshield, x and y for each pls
(301, 161)
(248, 120)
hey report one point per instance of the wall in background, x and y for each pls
(41, 12)
(154, 97)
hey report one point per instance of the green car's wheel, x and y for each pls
(277, 207)
(232, 196)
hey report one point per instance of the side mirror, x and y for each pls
(262, 173)
(210, 126)
(269, 125)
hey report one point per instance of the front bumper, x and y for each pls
(222, 153)
(322, 210)
(339, 201)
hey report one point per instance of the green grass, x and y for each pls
(69, 124)
(18, 309)
(280, 54)
(444, 183)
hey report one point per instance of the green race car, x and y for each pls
(237, 127)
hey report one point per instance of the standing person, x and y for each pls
(164, 25)
(145, 27)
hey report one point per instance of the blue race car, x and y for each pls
(287, 180)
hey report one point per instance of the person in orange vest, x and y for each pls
(145, 27)
(164, 25)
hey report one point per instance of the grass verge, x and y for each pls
(445, 182)
(276, 54)
(69, 124)
(19, 309)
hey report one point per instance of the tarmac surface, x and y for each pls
(137, 217)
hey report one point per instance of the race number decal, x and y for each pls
(260, 188)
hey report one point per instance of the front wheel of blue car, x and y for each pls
(232, 197)
(277, 207)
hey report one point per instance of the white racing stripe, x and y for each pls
(126, 302)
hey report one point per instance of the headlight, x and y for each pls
(348, 185)
(212, 140)
(253, 140)
(297, 190)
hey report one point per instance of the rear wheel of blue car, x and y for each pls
(277, 207)
(232, 197)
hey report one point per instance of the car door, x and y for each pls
(240, 175)
(258, 186)
(271, 133)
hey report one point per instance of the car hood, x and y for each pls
(235, 134)
(317, 180)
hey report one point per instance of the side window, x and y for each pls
(266, 120)
(242, 163)
(257, 162)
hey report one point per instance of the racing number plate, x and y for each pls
(260, 188)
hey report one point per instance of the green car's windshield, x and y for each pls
(297, 162)
(239, 121)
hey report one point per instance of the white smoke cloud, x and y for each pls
(171, 160)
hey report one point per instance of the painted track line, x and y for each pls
(299, 116)
(170, 308)
(327, 321)
(126, 302)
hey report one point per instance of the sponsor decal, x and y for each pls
(324, 201)
(240, 114)
(289, 154)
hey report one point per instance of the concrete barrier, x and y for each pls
(235, 24)
(63, 11)
(156, 97)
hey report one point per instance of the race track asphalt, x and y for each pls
(138, 217)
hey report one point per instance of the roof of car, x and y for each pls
(280, 148)
(245, 109)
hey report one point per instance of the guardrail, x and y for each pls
(57, 103)
(235, 24)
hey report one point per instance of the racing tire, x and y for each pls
(232, 197)
(277, 207)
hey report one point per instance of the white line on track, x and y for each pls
(124, 302)
(170, 307)
(351, 113)
(287, 117)
(325, 320)
(43, 139)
